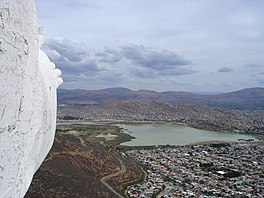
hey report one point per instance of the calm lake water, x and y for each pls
(162, 134)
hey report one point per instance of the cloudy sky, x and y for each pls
(187, 45)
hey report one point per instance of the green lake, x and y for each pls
(162, 134)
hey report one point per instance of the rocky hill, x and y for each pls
(249, 99)
(77, 164)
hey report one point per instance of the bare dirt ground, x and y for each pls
(77, 167)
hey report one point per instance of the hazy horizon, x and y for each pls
(195, 92)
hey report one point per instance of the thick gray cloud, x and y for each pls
(225, 70)
(158, 60)
(73, 52)
(77, 59)
(108, 55)
(113, 66)
(70, 57)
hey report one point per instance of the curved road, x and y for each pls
(123, 170)
(103, 180)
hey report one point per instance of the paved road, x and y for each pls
(122, 171)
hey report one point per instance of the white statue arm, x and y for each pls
(28, 84)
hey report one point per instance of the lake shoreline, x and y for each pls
(132, 137)
(115, 121)
(174, 134)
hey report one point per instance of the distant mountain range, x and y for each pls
(250, 98)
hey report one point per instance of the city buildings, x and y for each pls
(219, 170)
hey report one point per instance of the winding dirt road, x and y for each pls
(122, 171)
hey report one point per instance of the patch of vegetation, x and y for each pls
(89, 132)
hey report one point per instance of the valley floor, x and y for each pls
(82, 163)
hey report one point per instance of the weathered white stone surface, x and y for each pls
(28, 83)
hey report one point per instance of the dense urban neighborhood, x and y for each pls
(220, 170)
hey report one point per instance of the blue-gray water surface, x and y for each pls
(162, 134)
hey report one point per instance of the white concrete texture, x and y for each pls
(28, 83)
